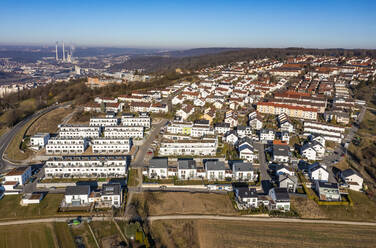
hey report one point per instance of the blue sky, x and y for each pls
(188, 24)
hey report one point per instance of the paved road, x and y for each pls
(265, 177)
(6, 138)
(194, 217)
(340, 149)
(139, 159)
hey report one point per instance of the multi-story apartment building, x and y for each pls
(86, 166)
(123, 132)
(329, 132)
(197, 147)
(66, 145)
(289, 110)
(81, 131)
(111, 145)
(104, 121)
(184, 128)
(143, 120)
(201, 130)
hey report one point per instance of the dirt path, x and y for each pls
(196, 217)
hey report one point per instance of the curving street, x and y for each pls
(6, 138)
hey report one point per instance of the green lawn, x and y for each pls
(11, 208)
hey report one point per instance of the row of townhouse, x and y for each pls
(86, 166)
(197, 129)
(192, 147)
(148, 107)
(65, 145)
(142, 120)
(81, 131)
(289, 110)
(329, 132)
(123, 132)
(111, 145)
(111, 195)
(187, 169)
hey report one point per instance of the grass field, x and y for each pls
(133, 177)
(48, 122)
(158, 203)
(83, 232)
(11, 208)
(29, 235)
(64, 236)
(106, 233)
(13, 151)
(215, 233)
(364, 209)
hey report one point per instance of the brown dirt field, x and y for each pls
(214, 233)
(307, 208)
(158, 203)
(48, 123)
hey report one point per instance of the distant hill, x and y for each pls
(216, 56)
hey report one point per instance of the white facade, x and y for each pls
(19, 174)
(111, 145)
(66, 145)
(79, 131)
(39, 140)
(86, 166)
(188, 147)
(123, 132)
(141, 121)
(104, 121)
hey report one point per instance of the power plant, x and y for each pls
(66, 57)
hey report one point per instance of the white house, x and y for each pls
(19, 175)
(158, 168)
(187, 169)
(318, 173)
(247, 196)
(231, 137)
(112, 195)
(267, 135)
(353, 179)
(308, 152)
(280, 199)
(77, 195)
(246, 152)
(222, 128)
(39, 140)
(215, 170)
(243, 172)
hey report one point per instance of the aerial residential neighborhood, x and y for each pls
(175, 124)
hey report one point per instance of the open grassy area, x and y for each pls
(133, 178)
(13, 151)
(158, 203)
(364, 209)
(48, 122)
(215, 233)
(106, 233)
(64, 236)
(28, 235)
(82, 232)
(11, 208)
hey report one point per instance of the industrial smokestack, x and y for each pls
(57, 55)
(63, 52)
